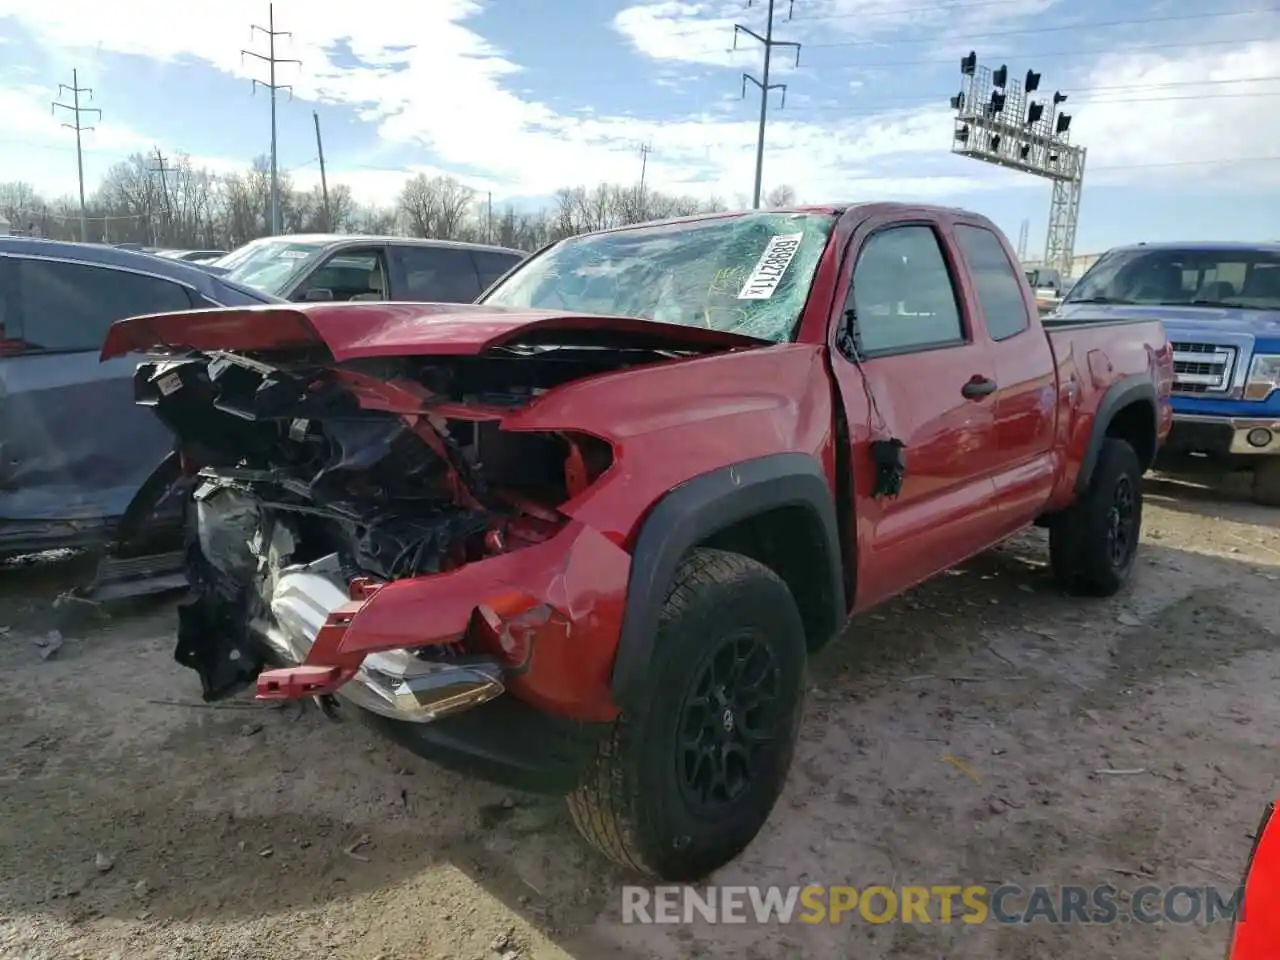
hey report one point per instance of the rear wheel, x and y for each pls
(685, 783)
(1094, 543)
(1266, 482)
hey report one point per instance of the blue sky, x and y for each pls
(516, 98)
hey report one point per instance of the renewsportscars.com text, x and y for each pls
(1006, 904)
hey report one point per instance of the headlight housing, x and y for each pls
(1264, 376)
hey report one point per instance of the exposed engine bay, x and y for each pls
(313, 480)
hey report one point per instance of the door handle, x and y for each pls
(978, 387)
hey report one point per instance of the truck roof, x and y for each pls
(834, 209)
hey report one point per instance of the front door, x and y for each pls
(921, 373)
(352, 273)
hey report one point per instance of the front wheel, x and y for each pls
(685, 783)
(1266, 482)
(1094, 543)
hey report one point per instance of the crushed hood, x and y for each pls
(351, 331)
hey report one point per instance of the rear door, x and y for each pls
(74, 445)
(1026, 377)
(429, 274)
(492, 265)
(921, 374)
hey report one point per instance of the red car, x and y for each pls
(1255, 934)
(583, 535)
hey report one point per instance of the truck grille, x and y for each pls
(1202, 367)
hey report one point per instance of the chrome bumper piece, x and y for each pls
(395, 683)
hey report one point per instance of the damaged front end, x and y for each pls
(369, 531)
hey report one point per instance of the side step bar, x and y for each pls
(148, 575)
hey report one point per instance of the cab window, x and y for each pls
(902, 297)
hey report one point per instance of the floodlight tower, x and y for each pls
(997, 122)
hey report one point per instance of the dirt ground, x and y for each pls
(953, 737)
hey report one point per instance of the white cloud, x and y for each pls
(456, 96)
(1175, 118)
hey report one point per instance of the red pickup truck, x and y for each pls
(583, 535)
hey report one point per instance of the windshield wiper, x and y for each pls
(1112, 300)
(1217, 303)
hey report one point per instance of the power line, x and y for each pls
(1058, 28)
(882, 108)
(765, 86)
(1075, 52)
(1051, 28)
(74, 107)
(271, 60)
(899, 11)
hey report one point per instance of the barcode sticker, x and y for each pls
(772, 265)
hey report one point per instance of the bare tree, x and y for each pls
(781, 196)
(193, 207)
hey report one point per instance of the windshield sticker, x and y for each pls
(294, 254)
(773, 263)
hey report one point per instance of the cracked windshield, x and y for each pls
(747, 274)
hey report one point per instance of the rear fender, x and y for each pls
(695, 512)
(1137, 388)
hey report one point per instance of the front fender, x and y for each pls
(700, 508)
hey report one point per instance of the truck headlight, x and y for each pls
(1264, 376)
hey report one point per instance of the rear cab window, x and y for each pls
(67, 307)
(996, 281)
(436, 274)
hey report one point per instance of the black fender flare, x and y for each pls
(694, 511)
(1135, 388)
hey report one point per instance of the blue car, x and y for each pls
(74, 447)
(1220, 303)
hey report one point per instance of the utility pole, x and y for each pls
(161, 169)
(488, 229)
(271, 60)
(324, 180)
(74, 106)
(763, 83)
(645, 150)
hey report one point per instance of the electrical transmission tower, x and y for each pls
(272, 60)
(1024, 230)
(763, 83)
(997, 123)
(74, 106)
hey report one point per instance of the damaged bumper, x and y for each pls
(393, 684)
(539, 622)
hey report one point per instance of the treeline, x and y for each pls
(189, 208)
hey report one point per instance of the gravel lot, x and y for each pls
(953, 737)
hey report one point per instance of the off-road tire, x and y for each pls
(630, 804)
(1079, 542)
(1266, 482)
